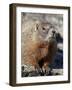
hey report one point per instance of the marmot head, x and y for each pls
(45, 31)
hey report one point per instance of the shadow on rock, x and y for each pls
(59, 38)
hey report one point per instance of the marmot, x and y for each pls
(39, 45)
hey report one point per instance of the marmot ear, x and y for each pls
(36, 27)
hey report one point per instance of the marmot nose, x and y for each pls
(53, 32)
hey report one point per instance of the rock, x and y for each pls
(25, 74)
(33, 73)
(57, 71)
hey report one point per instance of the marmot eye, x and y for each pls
(43, 28)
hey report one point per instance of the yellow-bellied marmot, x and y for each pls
(38, 44)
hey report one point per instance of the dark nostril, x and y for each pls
(53, 32)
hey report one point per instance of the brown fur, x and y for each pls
(37, 52)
